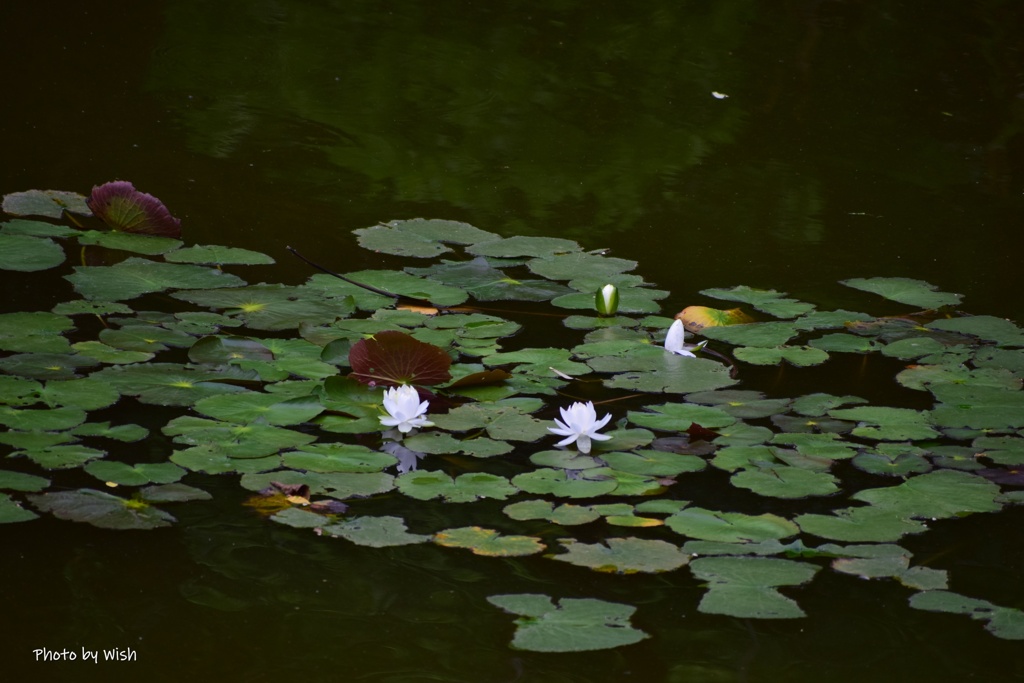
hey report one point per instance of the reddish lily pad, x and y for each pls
(122, 207)
(392, 358)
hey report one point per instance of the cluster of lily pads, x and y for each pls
(325, 397)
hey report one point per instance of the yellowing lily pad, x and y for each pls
(488, 542)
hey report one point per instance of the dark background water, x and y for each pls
(857, 139)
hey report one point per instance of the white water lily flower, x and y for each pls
(675, 341)
(579, 423)
(405, 410)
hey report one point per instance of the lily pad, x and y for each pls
(488, 542)
(623, 555)
(574, 625)
(425, 485)
(746, 586)
(212, 255)
(394, 358)
(101, 509)
(11, 511)
(1003, 622)
(375, 532)
(780, 481)
(134, 277)
(905, 290)
(49, 203)
(134, 475)
(730, 527)
(766, 300)
(29, 254)
(566, 514)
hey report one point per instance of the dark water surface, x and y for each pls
(857, 139)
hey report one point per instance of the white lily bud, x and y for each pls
(606, 301)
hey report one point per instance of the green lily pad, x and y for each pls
(20, 481)
(149, 245)
(172, 493)
(86, 393)
(126, 433)
(340, 485)
(1002, 622)
(654, 463)
(623, 555)
(12, 512)
(905, 291)
(990, 328)
(235, 440)
(780, 481)
(766, 300)
(746, 586)
(267, 307)
(101, 509)
(486, 283)
(29, 254)
(134, 475)
(36, 332)
(523, 246)
(978, 407)
(556, 482)
(32, 419)
(566, 514)
(939, 494)
(375, 532)
(337, 457)
(214, 255)
(730, 527)
(574, 625)
(801, 356)
(246, 407)
(134, 277)
(425, 485)
(763, 335)
(888, 424)
(488, 542)
(49, 203)
(677, 417)
(61, 456)
(169, 384)
(651, 369)
(573, 266)
(860, 525)
(501, 420)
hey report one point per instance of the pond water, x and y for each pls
(782, 146)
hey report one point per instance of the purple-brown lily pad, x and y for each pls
(391, 358)
(122, 207)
